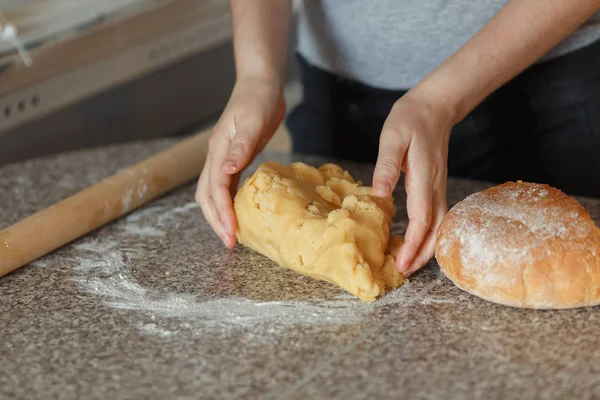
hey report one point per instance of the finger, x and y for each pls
(249, 134)
(233, 152)
(419, 205)
(206, 202)
(425, 253)
(235, 181)
(212, 216)
(243, 135)
(219, 189)
(392, 149)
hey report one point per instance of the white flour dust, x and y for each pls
(111, 263)
(150, 211)
(97, 246)
(155, 330)
(103, 269)
(135, 230)
(127, 199)
(121, 292)
(142, 190)
(40, 263)
(147, 222)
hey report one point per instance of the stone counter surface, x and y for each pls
(153, 307)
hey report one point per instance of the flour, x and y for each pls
(97, 246)
(103, 269)
(40, 263)
(142, 190)
(119, 291)
(155, 330)
(149, 231)
(127, 199)
(147, 222)
(160, 213)
(107, 276)
(185, 208)
(109, 264)
(145, 212)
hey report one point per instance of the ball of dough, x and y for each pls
(522, 245)
(320, 223)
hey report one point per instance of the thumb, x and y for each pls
(243, 136)
(392, 149)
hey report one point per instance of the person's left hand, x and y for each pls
(415, 140)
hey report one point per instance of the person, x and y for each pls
(492, 90)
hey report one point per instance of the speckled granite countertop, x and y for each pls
(152, 306)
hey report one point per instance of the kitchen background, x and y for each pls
(108, 71)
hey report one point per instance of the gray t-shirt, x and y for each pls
(393, 44)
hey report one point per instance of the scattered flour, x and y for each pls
(97, 246)
(132, 229)
(167, 217)
(197, 316)
(142, 190)
(160, 214)
(147, 222)
(121, 292)
(155, 330)
(43, 263)
(102, 270)
(144, 212)
(185, 208)
(109, 264)
(127, 199)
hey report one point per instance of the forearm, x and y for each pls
(260, 37)
(516, 37)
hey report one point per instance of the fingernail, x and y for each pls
(403, 261)
(222, 233)
(381, 189)
(229, 165)
(228, 230)
(229, 241)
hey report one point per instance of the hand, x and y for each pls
(415, 139)
(254, 111)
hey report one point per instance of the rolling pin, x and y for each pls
(89, 209)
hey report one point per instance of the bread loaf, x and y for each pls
(522, 245)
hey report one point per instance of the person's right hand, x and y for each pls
(252, 115)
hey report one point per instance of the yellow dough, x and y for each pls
(320, 223)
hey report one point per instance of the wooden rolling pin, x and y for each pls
(101, 203)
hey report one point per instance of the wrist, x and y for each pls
(444, 102)
(267, 89)
(260, 66)
(263, 76)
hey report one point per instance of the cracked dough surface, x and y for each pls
(320, 223)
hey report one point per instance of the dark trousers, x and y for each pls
(543, 126)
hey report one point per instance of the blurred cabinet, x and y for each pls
(106, 71)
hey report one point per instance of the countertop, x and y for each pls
(152, 306)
